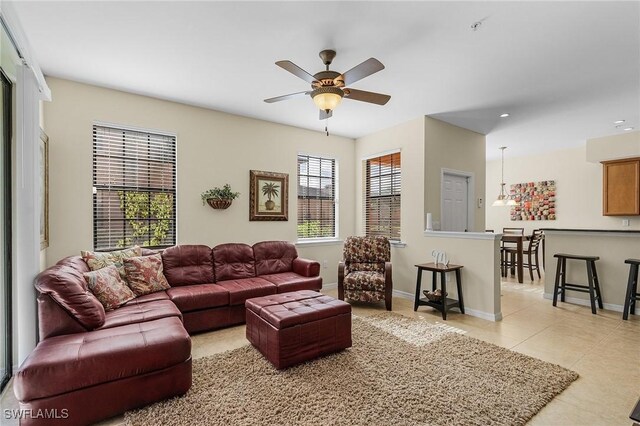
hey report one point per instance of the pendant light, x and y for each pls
(503, 199)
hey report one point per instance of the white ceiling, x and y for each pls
(563, 70)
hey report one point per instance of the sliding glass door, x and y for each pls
(5, 231)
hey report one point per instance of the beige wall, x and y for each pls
(451, 147)
(480, 275)
(214, 148)
(625, 145)
(409, 139)
(579, 191)
(612, 248)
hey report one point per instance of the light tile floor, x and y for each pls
(602, 348)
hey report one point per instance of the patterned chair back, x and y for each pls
(366, 253)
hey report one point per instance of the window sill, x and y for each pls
(398, 244)
(319, 242)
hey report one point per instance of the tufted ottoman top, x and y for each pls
(298, 307)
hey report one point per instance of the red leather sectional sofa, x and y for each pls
(91, 365)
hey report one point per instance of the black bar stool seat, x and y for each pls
(577, 257)
(592, 287)
(632, 289)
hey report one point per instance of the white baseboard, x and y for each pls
(483, 315)
(410, 296)
(472, 312)
(586, 302)
(402, 294)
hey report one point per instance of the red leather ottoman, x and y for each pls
(291, 328)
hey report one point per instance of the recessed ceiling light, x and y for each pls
(504, 115)
(628, 128)
(618, 122)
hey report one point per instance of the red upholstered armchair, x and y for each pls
(365, 271)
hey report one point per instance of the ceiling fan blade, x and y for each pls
(364, 96)
(324, 114)
(296, 70)
(365, 69)
(285, 97)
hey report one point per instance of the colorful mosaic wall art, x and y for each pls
(535, 200)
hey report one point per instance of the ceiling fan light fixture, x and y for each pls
(327, 98)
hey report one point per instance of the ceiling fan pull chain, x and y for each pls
(326, 126)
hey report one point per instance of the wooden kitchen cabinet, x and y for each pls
(621, 187)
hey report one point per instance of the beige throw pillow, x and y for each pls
(108, 287)
(98, 260)
(144, 274)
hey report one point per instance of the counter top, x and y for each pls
(615, 231)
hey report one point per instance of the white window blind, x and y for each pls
(134, 188)
(382, 196)
(316, 197)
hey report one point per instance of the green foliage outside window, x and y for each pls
(137, 208)
(313, 229)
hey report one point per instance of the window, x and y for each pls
(134, 188)
(316, 197)
(5, 231)
(382, 196)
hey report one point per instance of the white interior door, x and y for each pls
(455, 199)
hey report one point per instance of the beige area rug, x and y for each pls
(400, 371)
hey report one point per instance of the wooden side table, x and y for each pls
(448, 302)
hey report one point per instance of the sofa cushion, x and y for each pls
(64, 363)
(273, 257)
(195, 297)
(364, 280)
(141, 312)
(107, 285)
(158, 295)
(247, 288)
(290, 281)
(233, 261)
(68, 288)
(98, 260)
(144, 274)
(188, 265)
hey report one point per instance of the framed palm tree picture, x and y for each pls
(268, 196)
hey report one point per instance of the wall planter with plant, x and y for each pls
(219, 198)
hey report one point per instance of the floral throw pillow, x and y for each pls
(144, 274)
(108, 287)
(97, 260)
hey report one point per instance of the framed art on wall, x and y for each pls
(44, 189)
(534, 200)
(268, 196)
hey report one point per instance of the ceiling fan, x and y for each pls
(328, 87)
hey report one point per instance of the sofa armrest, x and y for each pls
(306, 267)
(388, 275)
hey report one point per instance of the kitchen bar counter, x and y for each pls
(612, 246)
(597, 231)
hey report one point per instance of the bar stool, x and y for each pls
(632, 289)
(561, 285)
